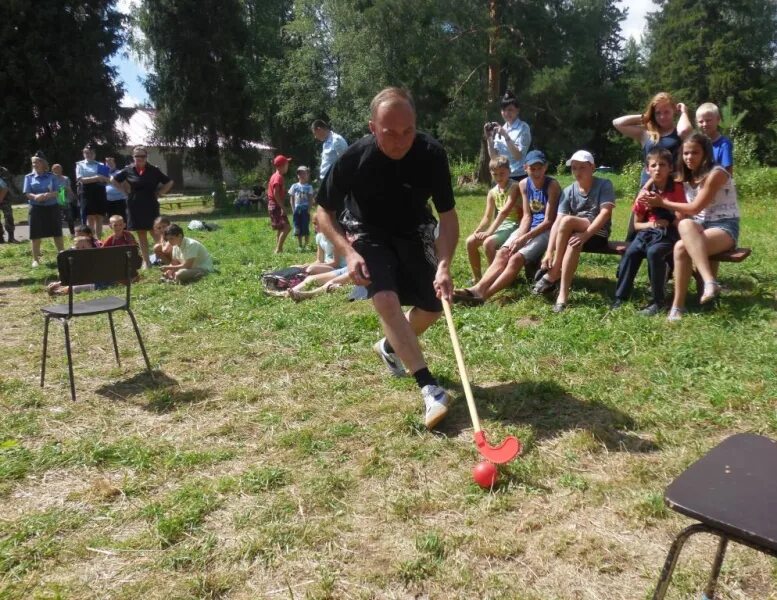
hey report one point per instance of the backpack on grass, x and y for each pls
(283, 279)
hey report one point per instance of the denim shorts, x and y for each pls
(730, 226)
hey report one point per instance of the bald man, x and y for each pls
(380, 189)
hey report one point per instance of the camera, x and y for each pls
(492, 128)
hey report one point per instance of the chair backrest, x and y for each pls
(118, 263)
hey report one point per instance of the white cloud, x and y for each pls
(634, 25)
(131, 101)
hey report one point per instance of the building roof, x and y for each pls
(139, 130)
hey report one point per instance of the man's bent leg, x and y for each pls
(402, 333)
(399, 332)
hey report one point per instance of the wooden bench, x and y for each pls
(735, 255)
(179, 200)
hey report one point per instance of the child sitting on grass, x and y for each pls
(86, 231)
(120, 235)
(163, 251)
(656, 233)
(55, 288)
(191, 261)
(498, 220)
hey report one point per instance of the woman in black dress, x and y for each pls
(143, 183)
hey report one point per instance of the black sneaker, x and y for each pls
(617, 304)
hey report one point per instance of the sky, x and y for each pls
(131, 72)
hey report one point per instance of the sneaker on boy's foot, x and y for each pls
(435, 403)
(390, 359)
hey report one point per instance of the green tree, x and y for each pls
(197, 53)
(59, 90)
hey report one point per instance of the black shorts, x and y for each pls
(406, 266)
(596, 243)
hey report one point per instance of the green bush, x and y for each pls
(755, 183)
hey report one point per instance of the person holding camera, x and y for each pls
(511, 140)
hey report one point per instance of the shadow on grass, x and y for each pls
(24, 281)
(163, 393)
(549, 410)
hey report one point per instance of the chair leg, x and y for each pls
(66, 326)
(709, 591)
(140, 341)
(113, 335)
(673, 555)
(45, 351)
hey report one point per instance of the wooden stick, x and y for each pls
(473, 413)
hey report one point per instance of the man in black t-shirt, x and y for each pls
(380, 190)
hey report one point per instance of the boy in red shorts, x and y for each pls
(276, 194)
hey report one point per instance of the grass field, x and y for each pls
(274, 458)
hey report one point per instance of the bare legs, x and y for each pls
(566, 257)
(95, 223)
(143, 243)
(502, 271)
(281, 236)
(58, 242)
(490, 245)
(695, 247)
(402, 330)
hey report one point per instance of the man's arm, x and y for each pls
(446, 246)
(328, 225)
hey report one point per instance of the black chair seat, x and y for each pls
(732, 492)
(82, 267)
(733, 488)
(89, 307)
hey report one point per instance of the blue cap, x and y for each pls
(536, 156)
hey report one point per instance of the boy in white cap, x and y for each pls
(583, 223)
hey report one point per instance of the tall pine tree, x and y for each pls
(199, 84)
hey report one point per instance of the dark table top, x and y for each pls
(733, 488)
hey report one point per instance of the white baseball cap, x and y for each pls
(582, 156)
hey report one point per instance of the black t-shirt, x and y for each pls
(142, 187)
(372, 192)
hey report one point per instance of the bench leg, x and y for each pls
(674, 554)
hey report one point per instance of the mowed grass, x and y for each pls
(272, 456)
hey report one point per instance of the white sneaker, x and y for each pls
(390, 359)
(436, 404)
(35, 264)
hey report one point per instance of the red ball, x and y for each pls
(485, 474)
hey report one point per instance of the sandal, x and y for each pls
(711, 291)
(559, 307)
(676, 314)
(544, 285)
(467, 297)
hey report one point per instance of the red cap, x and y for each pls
(281, 160)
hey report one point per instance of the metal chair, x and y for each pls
(732, 492)
(94, 265)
